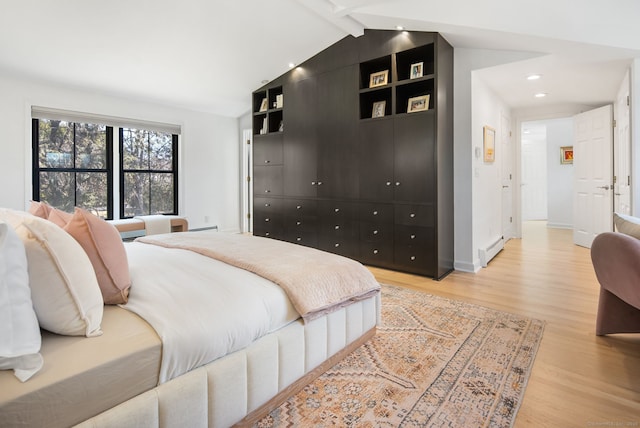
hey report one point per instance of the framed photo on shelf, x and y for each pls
(263, 105)
(489, 144)
(378, 109)
(379, 78)
(416, 70)
(566, 155)
(279, 101)
(420, 103)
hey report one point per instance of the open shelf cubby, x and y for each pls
(368, 98)
(374, 66)
(406, 59)
(412, 90)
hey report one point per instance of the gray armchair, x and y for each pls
(616, 260)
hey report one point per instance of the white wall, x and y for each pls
(488, 109)
(209, 147)
(559, 176)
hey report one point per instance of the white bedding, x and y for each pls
(234, 307)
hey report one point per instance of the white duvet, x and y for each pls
(201, 308)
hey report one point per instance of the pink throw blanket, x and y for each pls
(316, 282)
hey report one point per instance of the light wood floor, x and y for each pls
(578, 379)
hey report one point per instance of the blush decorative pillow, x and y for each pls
(59, 217)
(19, 330)
(103, 244)
(40, 209)
(64, 289)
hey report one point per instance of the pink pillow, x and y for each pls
(59, 217)
(40, 209)
(102, 243)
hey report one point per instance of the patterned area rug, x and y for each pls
(434, 362)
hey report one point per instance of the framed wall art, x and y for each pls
(379, 78)
(489, 144)
(566, 155)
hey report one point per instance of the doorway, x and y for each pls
(546, 182)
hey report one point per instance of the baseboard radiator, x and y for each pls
(486, 254)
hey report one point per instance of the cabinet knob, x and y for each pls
(267, 205)
(413, 258)
(337, 227)
(298, 239)
(319, 183)
(298, 207)
(388, 183)
(413, 236)
(375, 251)
(375, 213)
(266, 219)
(337, 210)
(298, 223)
(412, 215)
(267, 161)
(397, 183)
(336, 245)
(375, 232)
(267, 191)
(313, 183)
(267, 234)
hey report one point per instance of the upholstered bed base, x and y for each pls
(241, 387)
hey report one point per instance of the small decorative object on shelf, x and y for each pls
(263, 105)
(378, 109)
(264, 128)
(379, 78)
(279, 101)
(281, 126)
(416, 70)
(420, 103)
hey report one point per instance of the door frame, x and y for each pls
(246, 182)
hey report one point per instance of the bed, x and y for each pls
(209, 334)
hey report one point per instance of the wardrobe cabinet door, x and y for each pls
(300, 138)
(338, 156)
(376, 159)
(414, 158)
(267, 180)
(267, 150)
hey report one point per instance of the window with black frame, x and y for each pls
(149, 172)
(72, 165)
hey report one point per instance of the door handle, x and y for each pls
(604, 187)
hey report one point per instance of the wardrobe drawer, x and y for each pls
(414, 215)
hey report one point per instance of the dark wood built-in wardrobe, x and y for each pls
(352, 163)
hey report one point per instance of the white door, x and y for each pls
(507, 178)
(534, 171)
(622, 151)
(246, 183)
(593, 175)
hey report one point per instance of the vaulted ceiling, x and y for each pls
(209, 55)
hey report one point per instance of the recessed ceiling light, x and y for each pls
(540, 95)
(534, 76)
(291, 65)
(399, 27)
(265, 81)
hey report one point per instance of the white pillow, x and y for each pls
(19, 331)
(64, 288)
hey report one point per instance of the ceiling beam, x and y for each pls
(334, 15)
